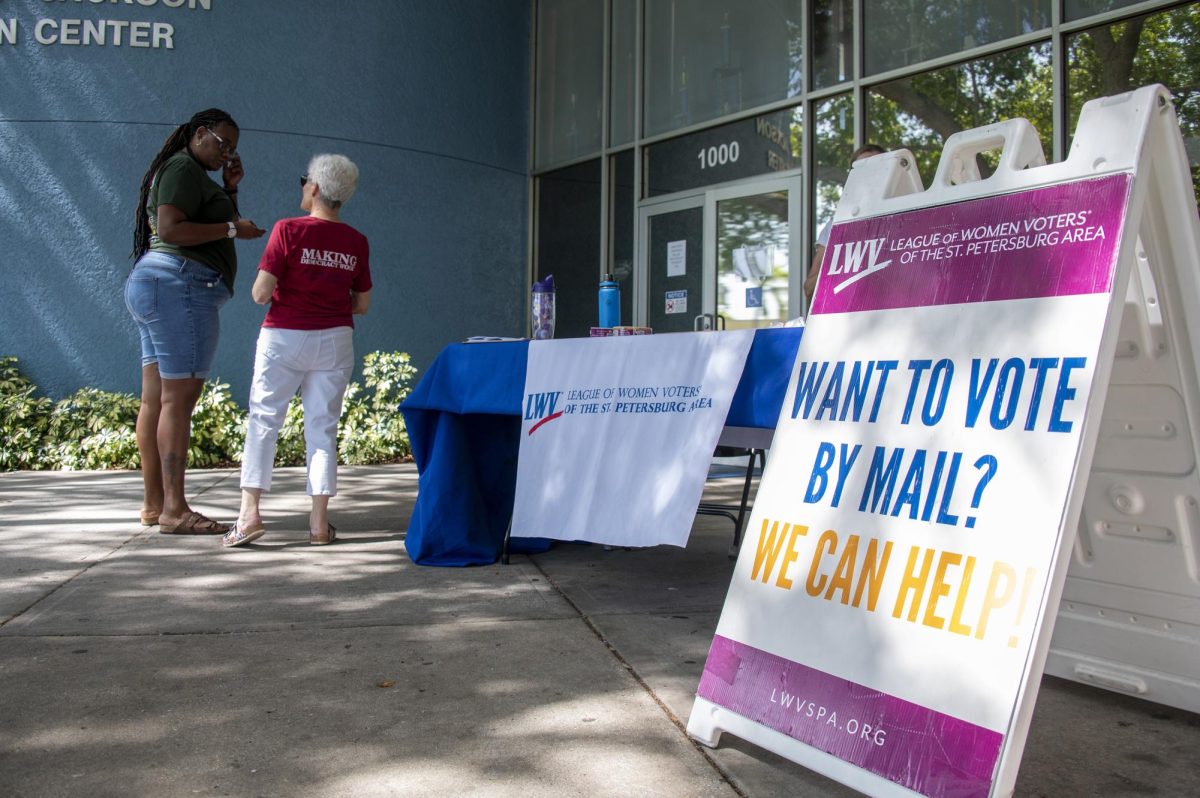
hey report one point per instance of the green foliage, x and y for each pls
(218, 428)
(95, 429)
(92, 429)
(23, 419)
(1159, 48)
(372, 429)
(289, 448)
(921, 111)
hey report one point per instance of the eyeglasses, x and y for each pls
(303, 180)
(225, 147)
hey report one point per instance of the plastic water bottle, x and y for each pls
(610, 302)
(543, 308)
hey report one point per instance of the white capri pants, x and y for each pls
(318, 362)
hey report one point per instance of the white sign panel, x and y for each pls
(618, 434)
(896, 564)
(676, 258)
(675, 302)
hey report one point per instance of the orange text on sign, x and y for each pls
(933, 589)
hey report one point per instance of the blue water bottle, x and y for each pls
(610, 302)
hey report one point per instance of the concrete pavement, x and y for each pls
(139, 664)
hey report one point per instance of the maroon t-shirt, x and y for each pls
(318, 263)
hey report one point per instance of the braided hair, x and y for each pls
(175, 142)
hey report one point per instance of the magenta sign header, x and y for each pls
(1055, 241)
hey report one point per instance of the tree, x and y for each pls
(921, 112)
(1159, 48)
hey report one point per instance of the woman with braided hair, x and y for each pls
(185, 266)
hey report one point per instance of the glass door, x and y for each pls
(757, 272)
(731, 252)
(672, 236)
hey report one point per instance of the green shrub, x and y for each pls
(94, 429)
(218, 428)
(289, 448)
(372, 429)
(24, 419)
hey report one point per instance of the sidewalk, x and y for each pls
(139, 664)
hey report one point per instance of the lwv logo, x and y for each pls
(857, 258)
(542, 406)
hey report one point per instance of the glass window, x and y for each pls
(832, 42)
(622, 216)
(568, 244)
(1159, 48)
(709, 58)
(902, 32)
(570, 79)
(921, 112)
(834, 120)
(1077, 9)
(752, 260)
(751, 147)
(624, 71)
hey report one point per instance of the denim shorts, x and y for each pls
(175, 302)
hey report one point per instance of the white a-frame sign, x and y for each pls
(972, 350)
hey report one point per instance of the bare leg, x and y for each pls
(249, 516)
(174, 435)
(147, 441)
(318, 519)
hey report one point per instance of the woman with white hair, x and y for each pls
(314, 273)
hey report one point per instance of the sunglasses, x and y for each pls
(303, 181)
(225, 147)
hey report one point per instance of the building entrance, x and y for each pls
(726, 257)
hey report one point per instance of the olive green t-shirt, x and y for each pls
(183, 183)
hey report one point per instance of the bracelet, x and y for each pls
(231, 191)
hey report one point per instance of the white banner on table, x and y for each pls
(617, 434)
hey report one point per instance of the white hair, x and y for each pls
(336, 177)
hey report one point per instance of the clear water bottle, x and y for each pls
(543, 308)
(610, 302)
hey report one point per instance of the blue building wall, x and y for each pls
(430, 99)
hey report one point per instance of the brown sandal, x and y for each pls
(194, 524)
(323, 540)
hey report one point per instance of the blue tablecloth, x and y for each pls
(464, 422)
